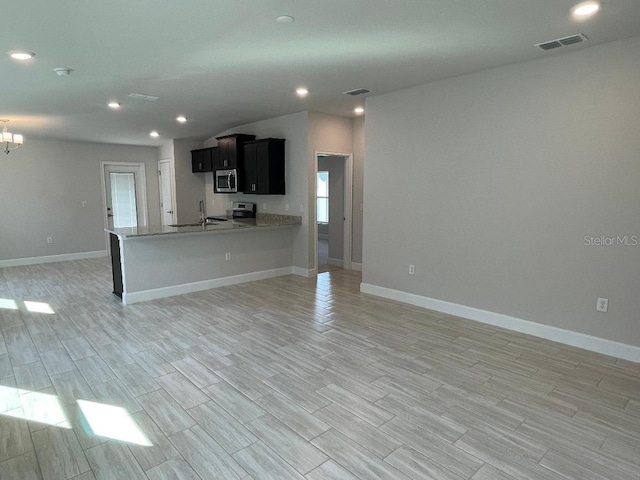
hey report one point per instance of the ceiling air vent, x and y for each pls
(562, 42)
(357, 91)
(143, 96)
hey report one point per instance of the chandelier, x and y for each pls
(10, 141)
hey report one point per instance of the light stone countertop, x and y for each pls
(263, 221)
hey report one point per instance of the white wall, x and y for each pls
(503, 173)
(42, 187)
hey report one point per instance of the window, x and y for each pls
(322, 197)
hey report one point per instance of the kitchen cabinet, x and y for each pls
(263, 172)
(202, 160)
(230, 153)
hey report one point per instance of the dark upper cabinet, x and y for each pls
(230, 153)
(202, 160)
(263, 172)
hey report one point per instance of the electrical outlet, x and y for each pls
(49, 239)
(84, 203)
(301, 208)
(286, 207)
(227, 256)
(213, 202)
(264, 206)
(602, 305)
(412, 269)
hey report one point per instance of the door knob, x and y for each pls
(109, 214)
(170, 211)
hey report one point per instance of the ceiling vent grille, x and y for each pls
(562, 42)
(357, 91)
(143, 96)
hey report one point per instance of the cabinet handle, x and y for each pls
(253, 187)
(200, 166)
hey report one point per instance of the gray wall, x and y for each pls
(504, 173)
(190, 187)
(306, 133)
(42, 187)
(293, 128)
(329, 134)
(358, 188)
(335, 230)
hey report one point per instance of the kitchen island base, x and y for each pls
(161, 264)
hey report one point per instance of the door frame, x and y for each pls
(141, 192)
(348, 208)
(173, 189)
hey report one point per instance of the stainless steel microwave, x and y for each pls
(226, 181)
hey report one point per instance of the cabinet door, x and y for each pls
(232, 153)
(201, 160)
(262, 167)
(222, 154)
(250, 168)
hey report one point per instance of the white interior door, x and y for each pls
(122, 200)
(124, 194)
(166, 184)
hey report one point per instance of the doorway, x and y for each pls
(124, 194)
(333, 225)
(166, 184)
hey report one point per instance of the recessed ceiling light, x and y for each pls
(21, 55)
(585, 9)
(181, 118)
(154, 134)
(114, 105)
(302, 92)
(359, 110)
(285, 19)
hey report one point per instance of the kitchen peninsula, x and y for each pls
(161, 261)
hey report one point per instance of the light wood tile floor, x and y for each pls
(293, 378)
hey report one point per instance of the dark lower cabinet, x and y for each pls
(202, 159)
(263, 172)
(116, 266)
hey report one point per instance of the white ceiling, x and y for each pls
(225, 63)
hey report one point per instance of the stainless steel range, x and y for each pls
(243, 210)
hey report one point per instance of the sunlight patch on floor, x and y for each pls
(34, 307)
(8, 304)
(102, 420)
(112, 422)
(39, 307)
(32, 406)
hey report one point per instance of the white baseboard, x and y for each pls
(153, 294)
(304, 272)
(560, 335)
(18, 262)
(356, 266)
(336, 262)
